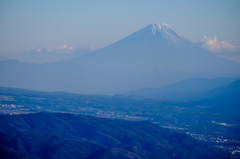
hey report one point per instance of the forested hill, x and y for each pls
(64, 135)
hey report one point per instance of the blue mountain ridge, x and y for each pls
(188, 89)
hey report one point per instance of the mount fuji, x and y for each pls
(151, 57)
(158, 46)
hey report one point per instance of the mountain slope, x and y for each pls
(225, 97)
(63, 135)
(230, 92)
(183, 90)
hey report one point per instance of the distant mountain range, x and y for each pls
(151, 57)
(85, 137)
(230, 92)
(194, 89)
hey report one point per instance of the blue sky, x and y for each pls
(28, 24)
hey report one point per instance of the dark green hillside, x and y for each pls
(78, 136)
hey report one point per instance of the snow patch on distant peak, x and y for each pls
(165, 31)
(154, 29)
(160, 28)
(164, 24)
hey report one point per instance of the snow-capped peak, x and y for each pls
(164, 24)
(162, 28)
(166, 32)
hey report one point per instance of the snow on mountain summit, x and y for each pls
(159, 27)
(166, 32)
(157, 35)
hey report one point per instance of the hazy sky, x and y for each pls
(27, 24)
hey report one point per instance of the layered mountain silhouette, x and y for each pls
(191, 89)
(230, 92)
(151, 57)
(85, 137)
(223, 97)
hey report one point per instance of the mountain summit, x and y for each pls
(153, 35)
(160, 34)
